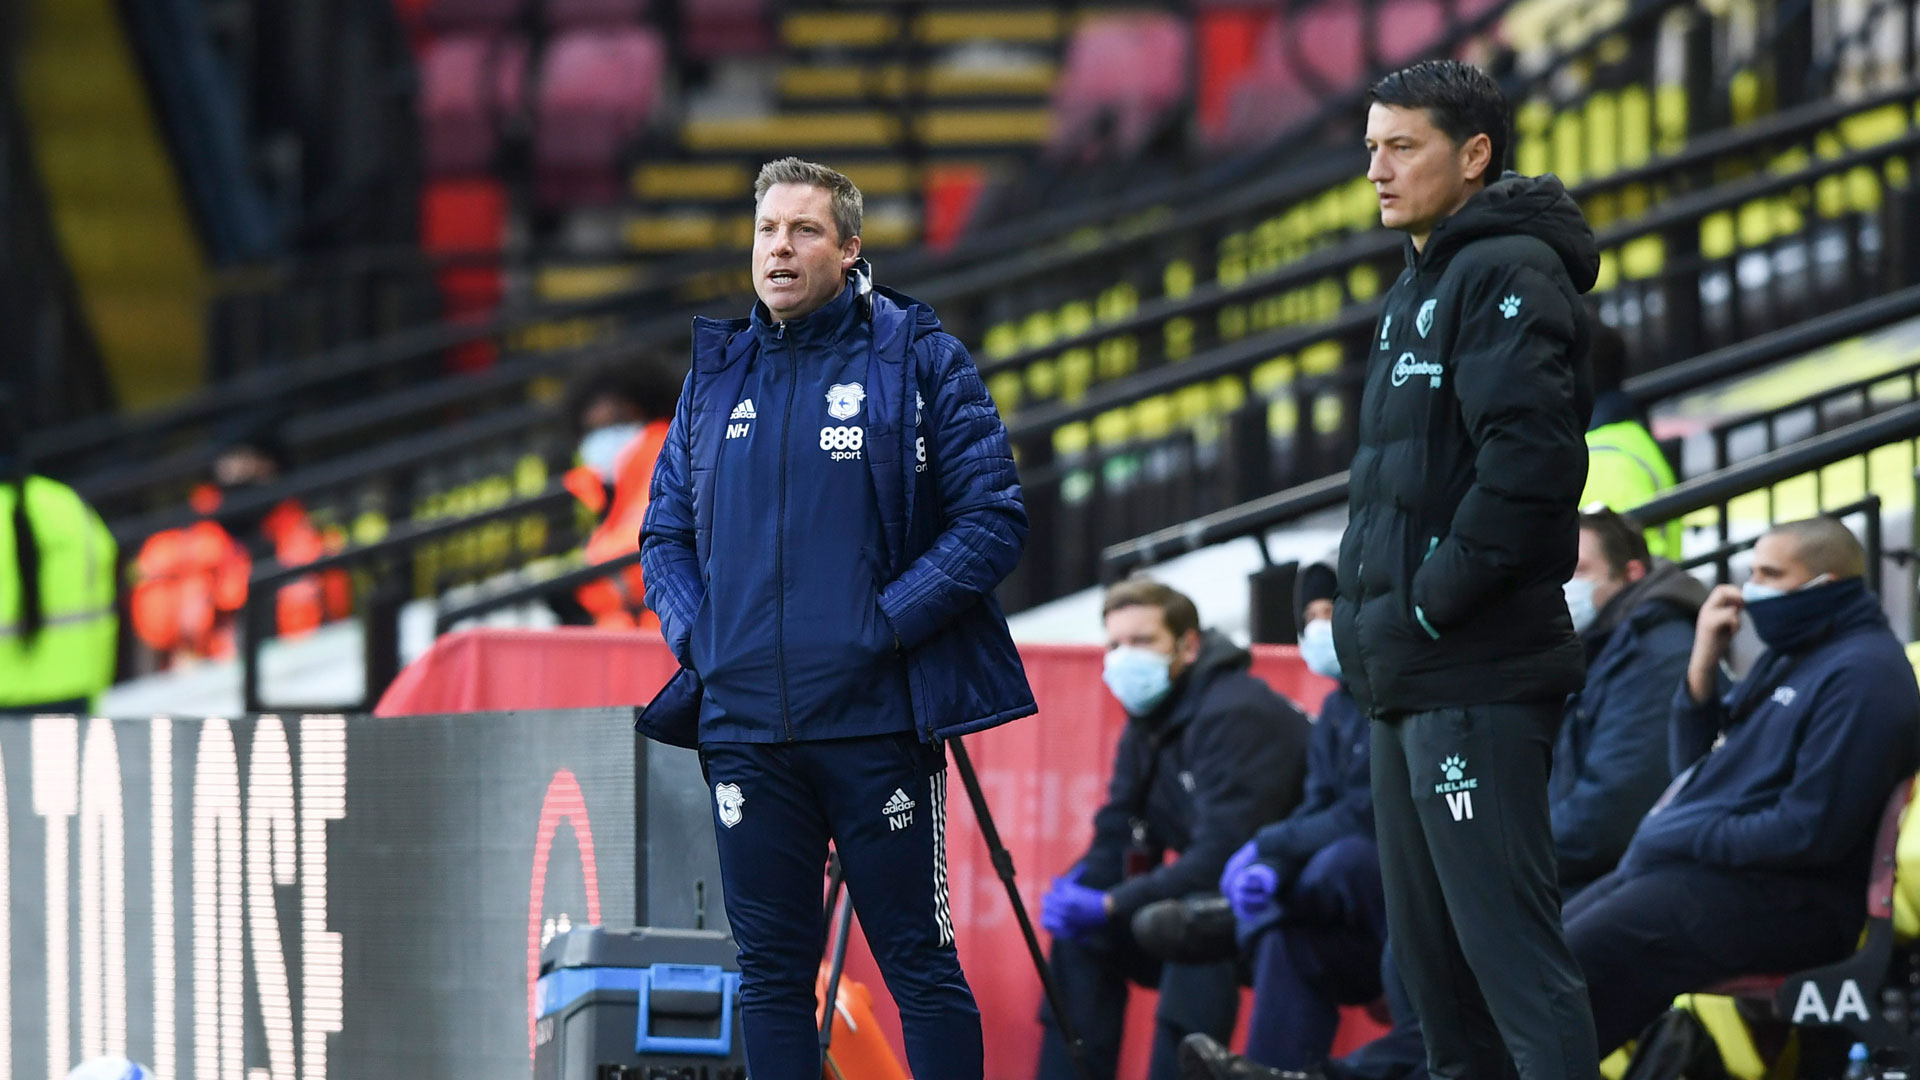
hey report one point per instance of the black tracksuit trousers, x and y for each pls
(1473, 910)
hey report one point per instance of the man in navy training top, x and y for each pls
(1209, 752)
(834, 505)
(1756, 857)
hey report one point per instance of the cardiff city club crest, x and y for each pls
(728, 799)
(843, 400)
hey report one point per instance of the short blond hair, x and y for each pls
(849, 206)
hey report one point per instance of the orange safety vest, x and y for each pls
(192, 581)
(618, 602)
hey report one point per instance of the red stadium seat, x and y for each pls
(711, 29)
(570, 13)
(1124, 74)
(446, 16)
(1871, 965)
(597, 91)
(469, 84)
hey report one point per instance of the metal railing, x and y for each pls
(1256, 517)
(393, 564)
(1300, 426)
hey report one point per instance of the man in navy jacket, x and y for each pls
(1756, 857)
(834, 505)
(1209, 752)
(1635, 617)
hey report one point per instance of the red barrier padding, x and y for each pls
(1043, 777)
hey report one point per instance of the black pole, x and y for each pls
(1003, 865)
(842, 930)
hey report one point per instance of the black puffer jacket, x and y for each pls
(1221, 757)
(1463, 501)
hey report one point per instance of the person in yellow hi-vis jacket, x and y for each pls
(57, 561)
(1625, 466)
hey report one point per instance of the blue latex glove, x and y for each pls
(1252, 889)
(1248, 854)
(1072, 910)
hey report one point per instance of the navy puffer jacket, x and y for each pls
(951, 532)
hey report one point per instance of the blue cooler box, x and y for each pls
(648, 1003)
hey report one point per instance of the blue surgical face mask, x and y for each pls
(1316, 648)
(600, 449)
(1139, 678)
(1579, 592)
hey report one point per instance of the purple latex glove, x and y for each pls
(1072, 910)
(1252, 889)
(1247, 855)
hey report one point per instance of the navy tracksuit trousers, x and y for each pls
(881, 800)
(1321, 952)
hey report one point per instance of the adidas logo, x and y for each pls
(744, 411)
(898, 811)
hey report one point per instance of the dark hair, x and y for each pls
(1178, 611)
(1460, 99)
(1622, 540)
(26, 548)
(1607, 354)
(649, 381)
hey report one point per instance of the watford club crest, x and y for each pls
(843, 400)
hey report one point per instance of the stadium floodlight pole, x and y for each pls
(1003, 865)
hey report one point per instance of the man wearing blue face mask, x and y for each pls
(1209, 753)
(1308, 903)
(1635, 617)
(1755, 857)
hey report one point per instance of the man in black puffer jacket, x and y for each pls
(1451, 625)
(1209, 754)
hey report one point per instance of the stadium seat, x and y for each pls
(469, 84)
(1889, 918)
(712, 29)
(575, 13)
(446, 16)
(597, 90)
(1124, 74)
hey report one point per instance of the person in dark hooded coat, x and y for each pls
(1209, 754)
(1635, 616)
(1451, 624)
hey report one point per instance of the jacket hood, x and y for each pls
(1218, 656)
(1536, 206)
(1667, 592)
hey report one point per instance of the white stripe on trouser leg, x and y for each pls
(942, 911)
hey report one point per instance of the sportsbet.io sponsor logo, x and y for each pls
(1407, 367)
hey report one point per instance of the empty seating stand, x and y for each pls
(917, 103)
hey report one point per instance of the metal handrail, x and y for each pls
(447, 618)
(382, 613)
(1257, 516)
(1232, 359)
(1782, 128)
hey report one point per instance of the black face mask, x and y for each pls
(1804, 617)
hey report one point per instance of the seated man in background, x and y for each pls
(1209, 753)
(1307, 902)
(1625, 466)
(620, 412)
(1756, 857)
(1635, 616)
